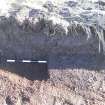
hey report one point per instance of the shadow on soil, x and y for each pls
(36, 71)
(31, 71)
(78, 61)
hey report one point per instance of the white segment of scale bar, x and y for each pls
(27, 61)
(10, 60)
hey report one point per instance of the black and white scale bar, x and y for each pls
(25, 61)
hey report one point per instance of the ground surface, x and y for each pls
(64, 32)
(67, 85)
